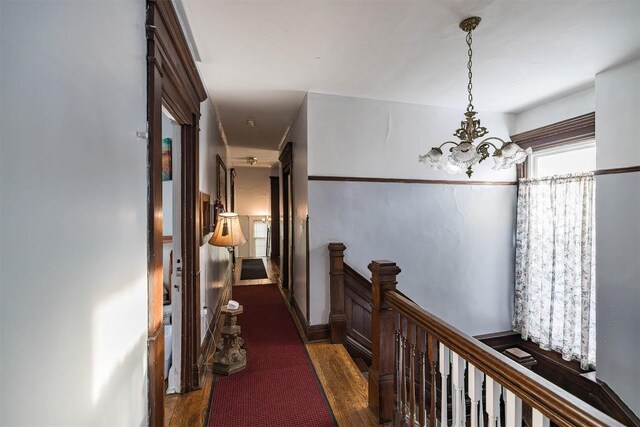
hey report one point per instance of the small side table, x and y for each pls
(231, 358)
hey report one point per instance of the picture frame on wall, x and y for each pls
(221, 170)
(206, 216)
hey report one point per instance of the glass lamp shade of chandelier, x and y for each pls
(464, 154)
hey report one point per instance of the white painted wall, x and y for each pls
(567, 107)
(253, 191)
(73, 178)
(215, 268)
(372, 138)
(618, 231)
(298, 134)
(439, 234)
(617, 113)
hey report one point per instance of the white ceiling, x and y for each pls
(259, 58)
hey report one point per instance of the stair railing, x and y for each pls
(425, 372)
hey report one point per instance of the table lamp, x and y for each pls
(230, 357)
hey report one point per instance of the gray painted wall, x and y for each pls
(454, 244)
(618, 232)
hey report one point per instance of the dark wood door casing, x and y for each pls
(286, 161)
(172, 81)
(275, 218)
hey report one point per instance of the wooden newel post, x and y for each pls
(337, 317)
(381, 372)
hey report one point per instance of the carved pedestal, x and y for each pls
(231, 358)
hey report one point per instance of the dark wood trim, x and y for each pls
(337, 316)
(288, 219)
(232, 189)
(191, 233)
(613, 171)
(221, 187)
(405, 181)
(155, 327)
(298, 311)
(357, 350)
(167, 239)
(568, 131)
(275, 217)
(619, 408)
(382, 370)
(172, 81)
(318, 332)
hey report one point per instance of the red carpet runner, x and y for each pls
(278, 387)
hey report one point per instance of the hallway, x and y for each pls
(333, 369)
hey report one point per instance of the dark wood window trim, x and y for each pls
(172, 81)
(570, 131)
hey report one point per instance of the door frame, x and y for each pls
(286, 162)
(172, 81)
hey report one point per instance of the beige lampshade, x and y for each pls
(228, 232)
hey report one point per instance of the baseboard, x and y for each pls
(312, 333)
(319, 332)
(357, 350)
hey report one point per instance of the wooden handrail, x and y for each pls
(559, 406)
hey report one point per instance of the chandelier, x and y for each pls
(465, 154)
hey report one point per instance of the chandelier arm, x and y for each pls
(493, 138)
(448, 142)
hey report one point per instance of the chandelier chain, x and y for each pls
(470, 74)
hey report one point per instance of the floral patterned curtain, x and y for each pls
(555, 265)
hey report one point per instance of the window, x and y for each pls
(555, 241)
(573, 158)
(259, 238)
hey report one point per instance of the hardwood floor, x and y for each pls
(343, 383)
(189, 409)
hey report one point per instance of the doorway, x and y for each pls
(172, 226)
(172, 82)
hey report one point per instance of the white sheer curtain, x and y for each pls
(555, 265)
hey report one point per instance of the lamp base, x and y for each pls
(231, 358)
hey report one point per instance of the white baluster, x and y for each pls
(482, 378)
(444, 373)
(539, 420)
(475, 392)
(457, 389)
(513, 410)
(493, 402)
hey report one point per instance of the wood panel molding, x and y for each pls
(568, 131)
(405, 181)
(614, 171)
(337, 316)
